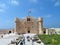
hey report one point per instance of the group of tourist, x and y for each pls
(23, 40)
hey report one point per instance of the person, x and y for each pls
(16, 43)
(24, 41)
(2, 36)
(32, 42)
(21, 43)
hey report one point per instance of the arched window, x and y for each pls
(28, 19)
(44, 32)
(28, 31)
(9, 31)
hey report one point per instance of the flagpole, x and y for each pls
(29, 11)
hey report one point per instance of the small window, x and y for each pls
(9, 31)
(44, 32)
(28, 19)
(28, 31)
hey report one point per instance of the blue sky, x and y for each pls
(48, 9)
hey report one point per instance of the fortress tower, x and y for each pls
(40, 22)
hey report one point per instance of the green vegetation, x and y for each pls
(50, 39)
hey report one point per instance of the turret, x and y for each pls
(16, 21)
(40, 22)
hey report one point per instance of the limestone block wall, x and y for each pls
(30, 26)
(40, 21)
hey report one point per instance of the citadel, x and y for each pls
(30, 25)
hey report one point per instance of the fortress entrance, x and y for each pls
(44, 31)
(28, 30)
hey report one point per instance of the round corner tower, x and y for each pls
(40, 22)
(16, 20)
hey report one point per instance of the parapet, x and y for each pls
(40, 19)
(16, 20)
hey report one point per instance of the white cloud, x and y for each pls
(2, 7)
(14, 2)
(48, 16)
(57, 4)
(53, 0)
(35, 1)
(2, 10)
(41, 8)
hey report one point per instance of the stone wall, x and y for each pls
(28, 25)
(6, 31)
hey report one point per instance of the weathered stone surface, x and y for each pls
(29, 25)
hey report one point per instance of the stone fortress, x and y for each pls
(30, 24)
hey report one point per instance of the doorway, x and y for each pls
(9, 31)
(44, 32)
(28, 31)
